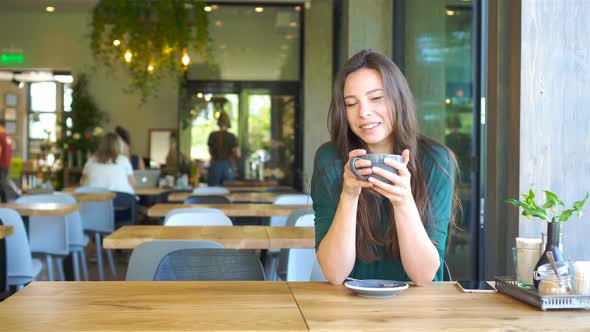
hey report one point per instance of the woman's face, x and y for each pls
(367, 111)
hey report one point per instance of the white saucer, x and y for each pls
(368, 289)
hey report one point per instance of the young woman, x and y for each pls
(108, 168)
(371, 229)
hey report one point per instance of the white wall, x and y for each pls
(554, 118)
(60, 41)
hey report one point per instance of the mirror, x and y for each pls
(159, 144)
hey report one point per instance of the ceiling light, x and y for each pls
(259, 9)
(116, 42)
(207, 8)
(297, 8)
(128, 56)
(450, 12)
(50, 9)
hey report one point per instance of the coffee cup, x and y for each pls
(377, 160)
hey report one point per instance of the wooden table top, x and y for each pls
(152, 306)
(286, 189)
(254, 197)
(438, 307)
(42, 209)
(231, 210)
(94, 197)
(232, 237)
(151, 191)
(6, 230)
(250, 183)
(269, 306)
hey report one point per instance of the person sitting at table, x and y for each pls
(372, 229)
(107, 168)
(125, 148)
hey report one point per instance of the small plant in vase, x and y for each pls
(554, 212)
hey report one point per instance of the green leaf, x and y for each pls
(552, 197)
(580, 204)
(565, 215)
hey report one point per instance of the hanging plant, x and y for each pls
(149, 38)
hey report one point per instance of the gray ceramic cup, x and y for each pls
(377, 160)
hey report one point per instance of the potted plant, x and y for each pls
(554, 212)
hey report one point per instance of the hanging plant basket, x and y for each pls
(150, 38)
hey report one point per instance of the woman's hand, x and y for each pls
(352, 185)
(400, 190)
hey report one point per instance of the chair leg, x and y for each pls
(111, 262)
(82, 254)
(49, 263)
(76, 265)
(97, 240)
(60, 268)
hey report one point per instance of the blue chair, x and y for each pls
(125, 209)
(58, 236)
(207, 200)
(210, 264)
(98, 219)
(283, 259)
(146, 257)
(301, 261)
(211, 191)
(21, 268)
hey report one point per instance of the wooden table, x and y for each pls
(94, 197)
(152, 306)
(151, 191)
(268, 306)
(250, 183)
(231, 210)
(5, 231)
(286, 189)
(232, 237)
(254, 197)
(42, 209)
(438, 307)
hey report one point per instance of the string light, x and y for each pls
(185, 58)
(116, 42)
(150, 68)
(128, 56)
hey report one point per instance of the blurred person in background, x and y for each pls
(224, 150)
(125, 148)
(108, 168)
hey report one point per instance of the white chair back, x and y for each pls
(301, 261)
(211, 191)
(289, 199)
(191, 210)
(198, 219)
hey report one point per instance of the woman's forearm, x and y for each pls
(337, 251)
(418, 254)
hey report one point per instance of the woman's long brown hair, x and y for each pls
(404, 136)
(108, 151)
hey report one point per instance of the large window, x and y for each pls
(48, 101)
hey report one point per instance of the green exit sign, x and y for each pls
(12, 58)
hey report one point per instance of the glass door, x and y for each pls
(435, 49)
(263, 118)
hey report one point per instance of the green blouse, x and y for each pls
(326, 186)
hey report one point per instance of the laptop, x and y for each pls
(147, 178)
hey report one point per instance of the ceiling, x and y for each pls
(65, 6)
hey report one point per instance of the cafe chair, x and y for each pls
(301, 261)
(190, 210)
(211, 199)
(58, 236)
(283, 258)
(289, 199)
(146, 257)
(125, 209)
(98, 219)
(210, 264)
(317, 274)
(21, 267)
(198, 219)
(211, 191)
(273, 254)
